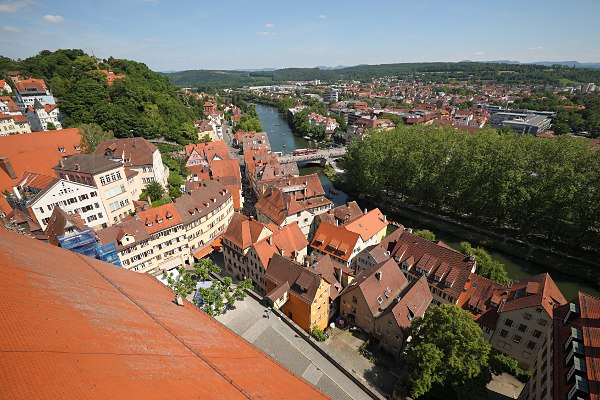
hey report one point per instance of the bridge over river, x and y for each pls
(323, 155)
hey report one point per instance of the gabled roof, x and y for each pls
(303, 282)
(137, 150)
(368, 225)
(535, 291)
(374, 282)
(115, 233)
(160, 218)
(76, 327)
(335, 240)
(343, 214)
(481, 297)
(435, 259)
(287, 239)
(201, 201)
(412, 302)
(329, 269)
(36, 152)
(59, 222)
(277, 204)
(30, 86)
(243, 231)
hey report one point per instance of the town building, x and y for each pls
(331, 96)
(447, 270)
(32, 89)
(298, 292)
(34, 152)
(255, 141)
(153, 241)
(111, 77)
(344, 242)
(249, 245)
(206, 213)
(13, 124)
(70, 232)
(5, 86)
(392, 325)
(109, 177)
(336, 274)
(8, 106)
(39, 195)
(328, 123)
(525, 318)
(298, 199)
(568, 363)
(115, 334)
(138, 155)
(43, 117)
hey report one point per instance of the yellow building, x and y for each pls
(299, 292)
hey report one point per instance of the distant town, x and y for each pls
(255, 206)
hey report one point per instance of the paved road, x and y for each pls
(279, 341)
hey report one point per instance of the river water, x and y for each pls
(282, 139)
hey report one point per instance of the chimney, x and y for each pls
(270, 240)
(62, 164)
(77, 167)
(7, 166)
(365, 211)
(409, 230)
(281, 252)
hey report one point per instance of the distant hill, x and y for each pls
(575, 64)
(441, 72)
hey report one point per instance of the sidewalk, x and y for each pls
(278, 340)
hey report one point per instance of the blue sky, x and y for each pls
(178, 35)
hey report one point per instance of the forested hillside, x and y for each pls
(144, 103)
(434, 72)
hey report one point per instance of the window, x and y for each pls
(508, 322)
(536, 333)
(526, 354)
(542, 322)
(531, 345)
(354, 299)
(517, 339)
(503, 333)
(379, 299)
(527, 316)
(522, 328)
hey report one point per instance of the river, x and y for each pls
(282, 139)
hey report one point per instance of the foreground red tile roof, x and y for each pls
(75, 327)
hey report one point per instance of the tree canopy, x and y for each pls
(425, 234)
(448, 356)
(543, 190)
(143, 103)
(486, 265)
(92, 135)
(215, 298)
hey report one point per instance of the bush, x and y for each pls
(500, 363)
(318, 334)
(425, 234)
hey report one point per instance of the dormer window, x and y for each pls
(169, 215)
(379, 299)
(62, 150)
(159, 219)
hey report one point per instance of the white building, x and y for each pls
(42, 115)
(139, 155)
(40, 194)
(13, 124)
(30, 90)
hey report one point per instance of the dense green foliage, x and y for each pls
(154, 190)
(486, 265)
(448, 356)
(425, 234)
(92, 135)
(216, 298)
(436, 72)
(318, 334)
(540, 189)
(500, 363)
(143, 104)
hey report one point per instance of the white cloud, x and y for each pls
(266, 33)
(479, 53)
(322, 16)
(54, 19)
(12, 6)
(269, 26)
(535, 48)
(10, 29)
(153, 40)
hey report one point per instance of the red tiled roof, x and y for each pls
(336, 241)
(75, 327)
(288, 239)
(37, 152)
(476, 298)
(32, 83)
(160, 218)
(137, 150)
(537, 290)
(243, 231)
(368, 225)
